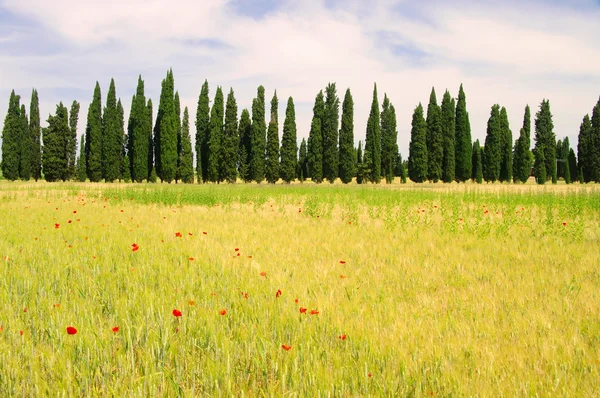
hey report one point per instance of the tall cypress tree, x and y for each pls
(463, 150)
(417, 152)
(435, 139)
(26, 143)
(11, 139)
(594, 148)
(493, 146)
(583, 149)
(139, 134)
(372, 153)
(259, 140)
(360, 168)
(573, 166)
(389, 140)
(111, 137)
(506, 163)
(231, 141)
(166, 131)
(215, 139)
(35, 131)
(151, 168)
(123, 141)
(71, 149)
(93, 137)
(81, 172)
(55, 137)
(563, 160)
(272, 148)
(477, 163)
(448, 134)
(522, 163)
(177, 104)
(202, 133)
(289, 144)
(347, 165)
(186, 169)
(315, 140)
(329, 129)
(302, 161)
(245, 134)
(545, 144)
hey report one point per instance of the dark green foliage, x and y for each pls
(245, 134)
(389, 140)
(139, 135)
(289, 144)
(448, 134)
(315, 141)
(399, 168)
(150, 141)
(177, 104)
(231, 141)
(463, 150)
(347, 157)
(55, 137)
(215, 138)
(35, 132)
(11, 139)
(493, 146)
(126, 169)
(583, 149)
(545, 144)
(272, 148)
(26, 143)
(71, 149)
(186, 157)
(417, 152)
(477, 163)
(329, 130)
(572, 159)
(563, 169)
(111, 137)
(506, 163)
(372, 153)
(123, 140)
(165, 132)
(153, 177)
(435, 139)
(259, 141)
(81, 172)
(594, 147)
(302, 161)
(522, 162)
(360, 166)
(202, 133)
(93, 137)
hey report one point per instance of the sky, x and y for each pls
(511, 52)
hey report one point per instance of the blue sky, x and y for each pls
(511, 52)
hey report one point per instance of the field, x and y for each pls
(420, 291)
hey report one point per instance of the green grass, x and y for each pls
(461, 290)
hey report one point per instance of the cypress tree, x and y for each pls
(545, 143)
(139, 134)
(573, 165)
(522, 162)
(259, 141)
(347, 164)
(329, 129)
(289, 144)
(111, 137)
(55, 137)
(231, 141)
(35, 131)
(215, 139)
(493, 146)
(11, 139)
(399, 169)
(389, 140)
(122, 141)
(302, 161)
(315, 141)
(583, 145)
(594, 148)
(26, 144)
(166, 131)
(540, 167)
(563, 160)
(359, 164)
(477, 163)
(245, 134)
(506, 163)
(149, 123)
(71, 149)
(93, 137)
(202, 133)
(177, 104)
(435, 139)
(417, 152)
(187, 157)
(372, 153)
(272, 148)
(81, 172)
(448, 134)
(463, 150)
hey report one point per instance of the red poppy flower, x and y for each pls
(122, 210)
(245, 295)
(564, 224)
(263, 274)
(370, 374)
(74, 211)
(190, 234)
(342, 337)
(21, 332)
(237, 249)
(191, 258)
(115, 329)
(178, 234)
(343, 276)
(296, 301)
(24, 309)
(238, 254)
(191, 302)
(135, 247)
(176, 313)
(299, 210)
(286, 347)
(278, 293)
(69, 222)
(302, 310)
(314, 312)
(342, 262)
(71, 330)
(223, 312)
(249, 256)
(205, 233)
(56, 226)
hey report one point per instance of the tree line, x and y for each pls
(228, 147)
